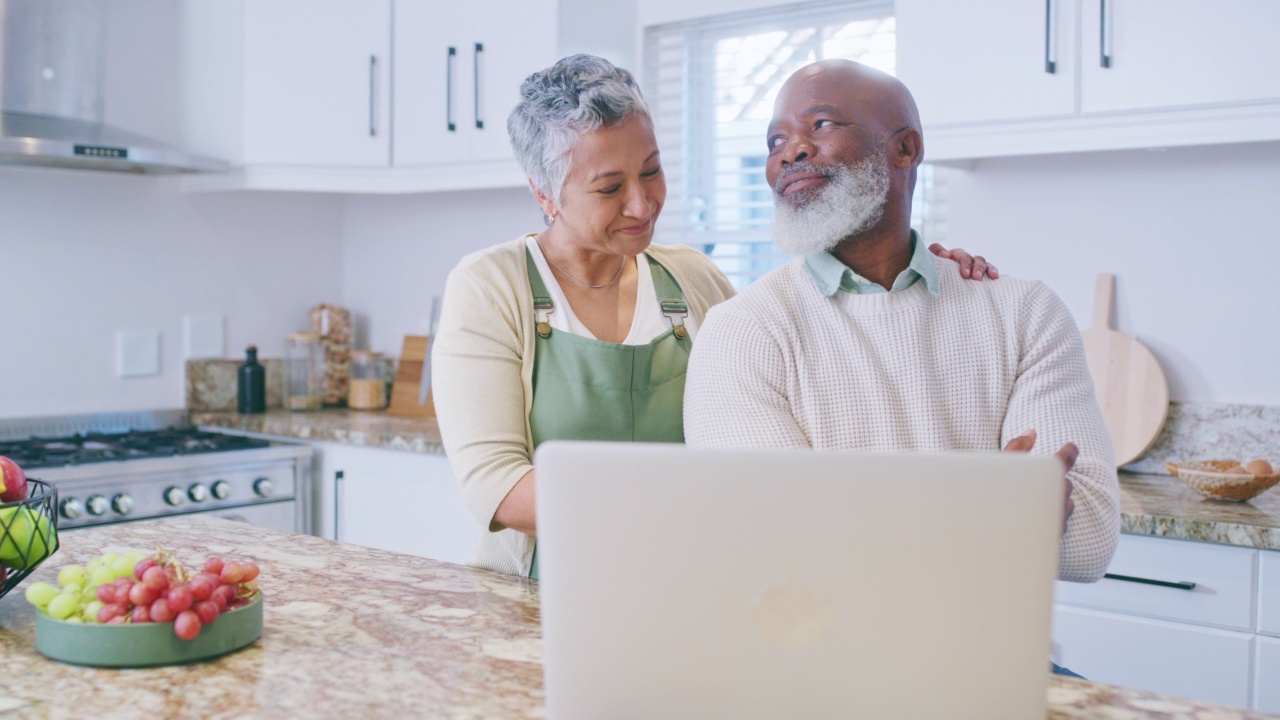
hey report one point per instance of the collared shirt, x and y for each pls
(831, 275)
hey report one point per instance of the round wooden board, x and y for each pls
(1131, 387)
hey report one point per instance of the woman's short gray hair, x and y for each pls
(578, 94)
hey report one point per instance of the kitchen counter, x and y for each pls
(353, 427)
(355, 632)
(1150, 504)
(1161, 505)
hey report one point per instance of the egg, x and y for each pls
(1259, 467)
(1237, 470)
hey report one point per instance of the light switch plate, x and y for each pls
(137, 353)
(203, 336)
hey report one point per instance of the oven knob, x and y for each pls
(262, 486)
(221, 490)
(71, 508)
(97, 505)
(198, 493)
(122, 503)
(174, 495)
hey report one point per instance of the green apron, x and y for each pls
(587, 389)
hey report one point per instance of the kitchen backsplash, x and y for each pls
(1213, 431)
(211, 384)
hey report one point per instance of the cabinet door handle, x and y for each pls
(1183, 585)
(1050, 56)
(337, 504)
(479, 86)
(373, 95)
(1104, 36)
(449, 63)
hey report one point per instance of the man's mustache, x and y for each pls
(798, 168)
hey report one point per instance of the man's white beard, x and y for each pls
(852, 201)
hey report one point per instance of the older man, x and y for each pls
(867, 342)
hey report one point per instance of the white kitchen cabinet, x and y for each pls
(1269, 593)
(1198, 632)
(1179, 72)
(1266, 685)
(400, 501)
(1005, 61)
(359, 96)
(1170, 658)
(458, 75)
(303, 83)
(1178, 53)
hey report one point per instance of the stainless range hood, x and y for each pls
(51, 105)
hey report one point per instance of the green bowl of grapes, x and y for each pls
(131, 609)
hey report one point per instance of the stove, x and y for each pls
(126, 467)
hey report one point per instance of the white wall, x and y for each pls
(86, 254)
(1189, 233)
(398, 250)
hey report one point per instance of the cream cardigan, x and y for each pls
(482, 378)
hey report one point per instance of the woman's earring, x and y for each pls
(549, 219)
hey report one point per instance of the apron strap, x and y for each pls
(542, 305)
(670, 299)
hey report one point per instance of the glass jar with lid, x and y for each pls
(304, 371)
(367, 389)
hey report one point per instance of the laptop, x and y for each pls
(680, 582)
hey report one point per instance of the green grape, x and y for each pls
(101, 575)
(92, 565)
(88, 595)
(90, 612)
(71, 588)
(75, 619)
(64, 606)
(41, 593)
(109, 558)
(122, 566)
(72, 575)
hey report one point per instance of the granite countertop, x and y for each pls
(353, 427)
(1161, 505)
(355, 632)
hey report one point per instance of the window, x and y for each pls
(712, 84)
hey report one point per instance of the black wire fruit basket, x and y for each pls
(28, 533)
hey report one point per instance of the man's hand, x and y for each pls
(1067, 454)
(970, 266)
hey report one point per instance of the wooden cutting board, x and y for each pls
(1131, 387)
(406, 391)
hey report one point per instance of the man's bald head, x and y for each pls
(876, 95)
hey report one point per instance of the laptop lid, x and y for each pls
(680, 582)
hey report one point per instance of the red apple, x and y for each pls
(13, 482)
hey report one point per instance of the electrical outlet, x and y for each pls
(137, 354)
(203, 337)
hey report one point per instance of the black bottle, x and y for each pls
(251, 384)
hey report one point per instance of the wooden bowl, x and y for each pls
(1209, 478)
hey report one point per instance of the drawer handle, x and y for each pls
(1050, 57)
(1148, 581)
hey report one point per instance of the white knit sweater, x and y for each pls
(783, 366)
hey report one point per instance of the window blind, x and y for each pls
(712, 84)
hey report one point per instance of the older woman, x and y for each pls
(581, 331)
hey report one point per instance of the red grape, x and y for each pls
(201, 587)
(117, 620)
(110, 611)
(156, 578)
(227, 593)
(232, 573)
(187, 625)
(123, 586)
(208, 611)
(107, 594)
(161, 612)
(142, 566)
(180, 598)
(213, 565)
(143, 594)
(141, 614)
(239, 603)
(250, 571)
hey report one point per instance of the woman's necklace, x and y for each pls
(580, 282)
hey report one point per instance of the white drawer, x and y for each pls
(1223, 577)
(1196, 663)
(1269, 592)
(1266, 686)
